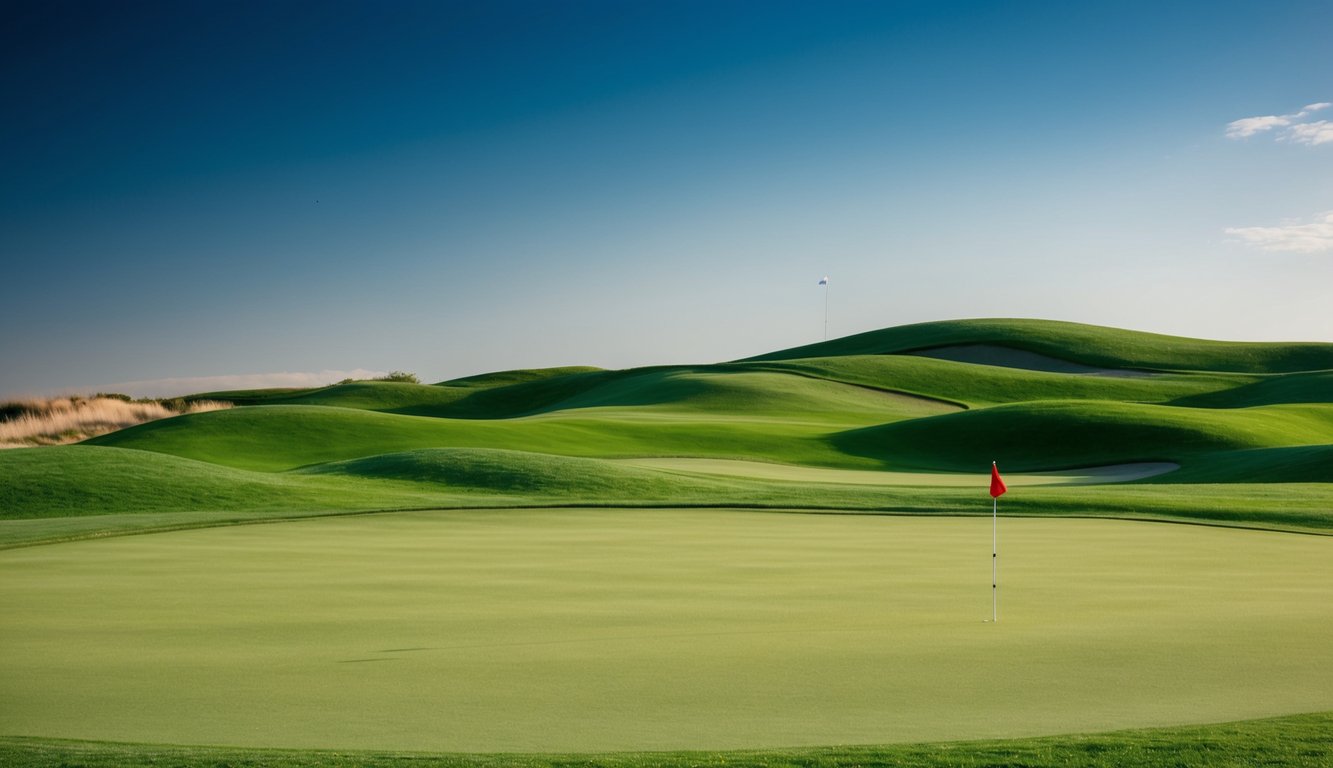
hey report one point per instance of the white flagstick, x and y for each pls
(995, 559)
(997, 489)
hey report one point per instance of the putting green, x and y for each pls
(582, 630)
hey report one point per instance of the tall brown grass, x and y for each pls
(61, 420)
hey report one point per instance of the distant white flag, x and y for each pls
(824, 281)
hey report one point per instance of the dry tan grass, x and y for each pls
(71, 419)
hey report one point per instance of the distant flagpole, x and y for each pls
(997, 488)
(824, 282)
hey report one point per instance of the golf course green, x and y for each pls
(597, 630)
(788, 552)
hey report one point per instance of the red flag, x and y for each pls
(997, 488)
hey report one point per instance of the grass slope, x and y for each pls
(690, 420)
(1066, 434)
(1086, 344)
(676, 389)
(979, 385)
(68, 493)
(78, 480)
(515, 472)
(538, 437)
(519, 376)
(1286, 464)
(395, 396)
(1299, 741)
(1307, 387)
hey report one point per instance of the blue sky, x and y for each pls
(295, 191)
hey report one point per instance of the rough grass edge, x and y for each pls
(1293, 740)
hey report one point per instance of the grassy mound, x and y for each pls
(678, 413)
(77, 480)
(988, 385)
(534, 437)
(754, 393)
(1008, 357)
(520, 376)
(525, 393)
(1286, 464)
(499, 471)
(1056, 434)
(1086, 344)
(1306, 387)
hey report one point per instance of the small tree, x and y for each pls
(403, 376)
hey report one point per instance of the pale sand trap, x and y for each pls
(758, 470)
(1007, 357)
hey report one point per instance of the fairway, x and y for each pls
(589, 630)
(768, 471)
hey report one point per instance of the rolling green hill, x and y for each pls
(1085, 344)
(978, 385)
(1056, 434)
(1032, 395)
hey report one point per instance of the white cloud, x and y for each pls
(192, 385)
(1297, 237)
(1247, 127)
(1314, 134)
(1295, 130)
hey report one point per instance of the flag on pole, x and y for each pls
(997, 488)
(823, 280)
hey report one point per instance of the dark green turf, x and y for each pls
(979, 385)
(73, 492)
(78, 480)
(1055, 434)
(1298, 741)
(1305, 387)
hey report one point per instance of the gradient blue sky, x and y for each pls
(209, 189)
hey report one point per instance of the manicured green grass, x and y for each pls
(1286, 464)
(275, 438)
(1299, 741)
(789, 473)
(1309, 387)
(833, 412)
(78, 480)
(490, 624)
(595, 630)
(1053, 434)
(62, 493)
(980, 385)
(1087, 344)
(710, 389)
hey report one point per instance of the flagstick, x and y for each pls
(995, 559)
